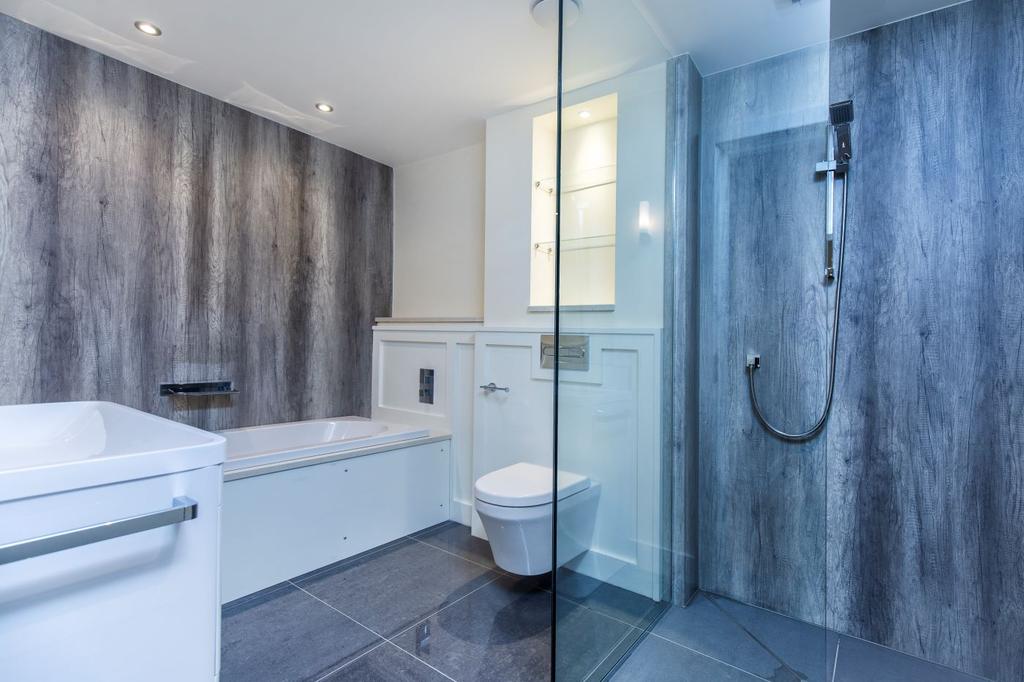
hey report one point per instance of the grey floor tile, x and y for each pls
(457, 539)
(629, 607)
(386, 663)
(390, 590)
(282, 634)
(632, 638)
(657, 659)
(806, 649)
(860, 661)
(500, 632)
(585, 639)
(703, 627)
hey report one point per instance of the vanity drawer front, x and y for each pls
(142, 605)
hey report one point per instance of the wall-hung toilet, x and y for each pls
(515, 505)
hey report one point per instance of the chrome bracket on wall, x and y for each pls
(830, 168)
(573, 352)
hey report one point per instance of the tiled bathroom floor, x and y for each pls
(747, 643)
(433, 606)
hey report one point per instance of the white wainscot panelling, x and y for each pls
(610, 426)
(462, 434)
(280, 525)
(609, 430)
(398, 356)
(399, 384)
(513, 426)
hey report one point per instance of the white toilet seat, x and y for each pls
(526, 485)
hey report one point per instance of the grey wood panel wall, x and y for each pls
(762, 524)
(926, 446)
(681, 334)
(150, 233)
(903, 524)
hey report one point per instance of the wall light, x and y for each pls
(324, 107)
(584, 114)
(643, 218)
(149, 28)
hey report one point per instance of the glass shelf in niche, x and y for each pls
(597, 241)
(579, 181)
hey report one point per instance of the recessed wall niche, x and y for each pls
(588, 187)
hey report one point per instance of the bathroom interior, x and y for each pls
(511, 340)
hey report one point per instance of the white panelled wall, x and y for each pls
(399, 352)
(640, 177)
(609, 424)
(610, 415)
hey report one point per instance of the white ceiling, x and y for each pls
(723, 34)
(413, 78)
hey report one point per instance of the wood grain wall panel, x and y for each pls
(762, 526)
(149, 233)
(913, 494)
(926, 446)
(681, 332)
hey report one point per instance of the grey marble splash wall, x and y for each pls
(903, 523)
(149, 233)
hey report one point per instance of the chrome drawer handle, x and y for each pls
(182, 509)
(492, 387)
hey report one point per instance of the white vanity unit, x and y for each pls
(109, 529)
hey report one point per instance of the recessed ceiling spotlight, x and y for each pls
(584, 114)
(149, 28)
(545, 12)
(324, 107)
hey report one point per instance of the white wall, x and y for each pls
(439, 236)
(399, 352)
(610, 425)
(641, 177)
(463, 242)
(610, 410)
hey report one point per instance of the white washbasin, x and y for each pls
(53, 447)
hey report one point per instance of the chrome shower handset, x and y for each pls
(840, 116)
(840, 152)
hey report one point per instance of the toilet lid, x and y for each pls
(526, 485)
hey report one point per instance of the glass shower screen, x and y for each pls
(678, 124)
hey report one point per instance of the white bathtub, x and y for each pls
(258, 446)
(303, 495)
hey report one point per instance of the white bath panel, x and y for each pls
(281, 525)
